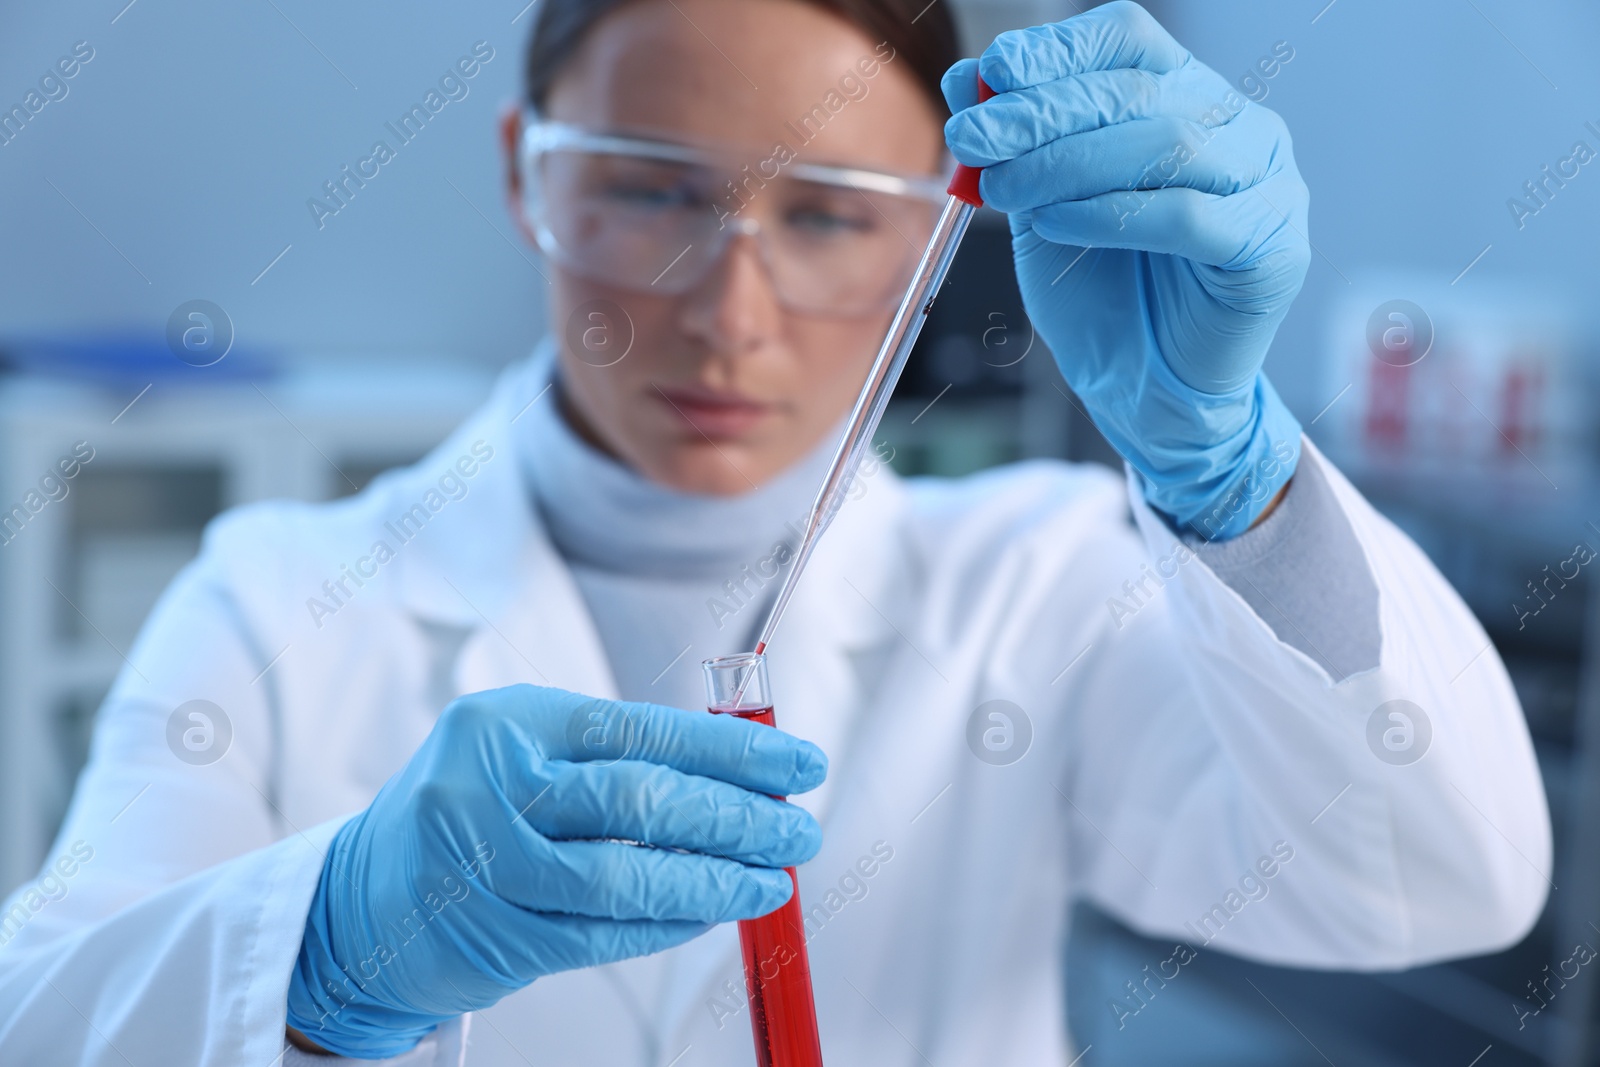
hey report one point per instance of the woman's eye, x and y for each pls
(646, 196)
(825, 223)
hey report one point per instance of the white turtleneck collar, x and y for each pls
(604, 515)
(650, 560)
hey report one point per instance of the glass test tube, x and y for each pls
(777, 972)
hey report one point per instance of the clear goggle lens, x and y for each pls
(656, 217)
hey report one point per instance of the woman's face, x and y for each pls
(724, 385)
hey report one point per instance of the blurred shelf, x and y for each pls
(83, 571)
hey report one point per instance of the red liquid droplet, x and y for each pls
(777, 971)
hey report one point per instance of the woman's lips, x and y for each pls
(717, 415)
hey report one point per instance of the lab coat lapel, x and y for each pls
(544, 635)
(486, 564)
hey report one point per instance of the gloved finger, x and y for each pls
(960, 85)
(512, 946)
(1154, 153)
(569, 726)
(571, 942)
(1230, 232)
(659, 806)
(612, 880)
(1107, 38)
(1013, 123)
(725, 747)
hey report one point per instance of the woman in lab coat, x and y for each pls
(1253, 717)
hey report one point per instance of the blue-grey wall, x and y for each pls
(193, 139)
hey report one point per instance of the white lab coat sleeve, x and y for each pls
(169, 913)
(1225, 790)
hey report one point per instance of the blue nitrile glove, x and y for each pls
(493, 857)
(1106, 135)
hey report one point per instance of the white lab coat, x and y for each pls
(1169, 755)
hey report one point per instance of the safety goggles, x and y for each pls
(657, 216)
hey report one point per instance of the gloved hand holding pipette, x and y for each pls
(1158, 225)
(485, 863)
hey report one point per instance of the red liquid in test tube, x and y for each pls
(777, 971)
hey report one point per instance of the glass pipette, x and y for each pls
(885, 372)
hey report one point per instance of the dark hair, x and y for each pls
(924, 36)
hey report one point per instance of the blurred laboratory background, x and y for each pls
(1444, 353)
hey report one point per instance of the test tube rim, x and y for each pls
(733, 659)
(746, 668)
